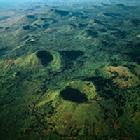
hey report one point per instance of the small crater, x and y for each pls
(119, 34)
(103, 30)
(3, 51)
(77, 14)
(45, 57)
(82, 25)
(71, 55)
(73, 95)
(135, 22)
(62, 12)
(112, 14)
(97, 21)
(92, 33)
(27, 27)
(31, 16)
(45, 26)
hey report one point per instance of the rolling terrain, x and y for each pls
(70, 72)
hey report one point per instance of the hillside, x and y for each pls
(70, 72)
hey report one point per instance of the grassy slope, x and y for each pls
(31, 104)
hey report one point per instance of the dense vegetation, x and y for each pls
(70, 73)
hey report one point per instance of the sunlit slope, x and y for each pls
(70, 73)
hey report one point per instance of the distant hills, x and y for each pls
(13, 3)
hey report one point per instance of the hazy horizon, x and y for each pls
(17, 2)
